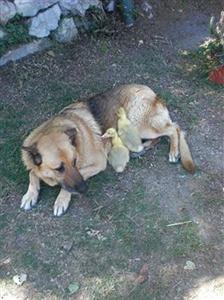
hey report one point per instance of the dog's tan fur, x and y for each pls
(72, 139)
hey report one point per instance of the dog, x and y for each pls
(68, 149)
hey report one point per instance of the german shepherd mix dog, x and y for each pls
(68, 148)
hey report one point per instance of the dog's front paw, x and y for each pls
(174, 158)
(60, 206)
(29, 200)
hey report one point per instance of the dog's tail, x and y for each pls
(185, 154)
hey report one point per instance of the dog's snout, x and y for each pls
(81, 187)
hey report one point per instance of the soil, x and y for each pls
(55, 252)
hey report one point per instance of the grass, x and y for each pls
(29, 260)
(186, 241)
(16, 33)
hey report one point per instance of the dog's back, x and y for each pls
(133, 97)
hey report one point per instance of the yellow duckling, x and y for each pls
(128, 133)
(118, 156)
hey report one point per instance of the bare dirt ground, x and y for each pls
(106, 236)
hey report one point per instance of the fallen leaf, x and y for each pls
(73, 288)
(189, 265)
(51, 53)
(143, 274)
(19, 279)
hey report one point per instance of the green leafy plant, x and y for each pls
(206, 58)
(16, 33)
(210, 54)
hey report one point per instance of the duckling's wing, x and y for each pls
(130, 137)
(118, 156)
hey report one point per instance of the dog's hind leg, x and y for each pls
(31, 196)
(62, 202)
(178, 146)
(157, 123)
(171, 131)
(149, 144)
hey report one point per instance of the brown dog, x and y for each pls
(68, 149)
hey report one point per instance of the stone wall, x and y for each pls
(46, 16)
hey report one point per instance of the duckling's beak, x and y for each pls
(105, 135)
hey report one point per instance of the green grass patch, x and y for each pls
(3, 221)
(183, 104)
(49, 269)
(135, 221)
(16, 33)
(12, 170)
(186, 240)
(29, 260)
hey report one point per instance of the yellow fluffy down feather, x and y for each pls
(118, 156)
(128, 133)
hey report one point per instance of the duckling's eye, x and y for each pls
(61, 168)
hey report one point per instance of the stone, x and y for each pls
(220, 27)
(25, 50)
(19, 279)
(2, 33)
(147, 8)
(190, 265)
(110, 7)
(29, 8)
(78, 6)
(7, 11)
(66, 31)
(45, 22)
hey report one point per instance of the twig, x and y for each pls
(158, 37)
(97, 209)
(179, 223)
(5, 261)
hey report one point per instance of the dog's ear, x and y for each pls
(71, 132)
(34, 154)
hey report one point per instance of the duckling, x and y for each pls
(118, 156)
(128, 133)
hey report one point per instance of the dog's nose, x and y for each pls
(81, 187)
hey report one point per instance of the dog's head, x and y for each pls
(54, 157)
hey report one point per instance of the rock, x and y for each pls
(220, 27)
(66, 31)
(78, 6)
(25, 50)
(20, 279)
(29, 8)
(147, 8)
(73, 288)
(2, 33)
(67, 246)
(110, 7)
(44, 22)
(190, 265)
(7, 11)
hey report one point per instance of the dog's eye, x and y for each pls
(74, 162)
(61, 168)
